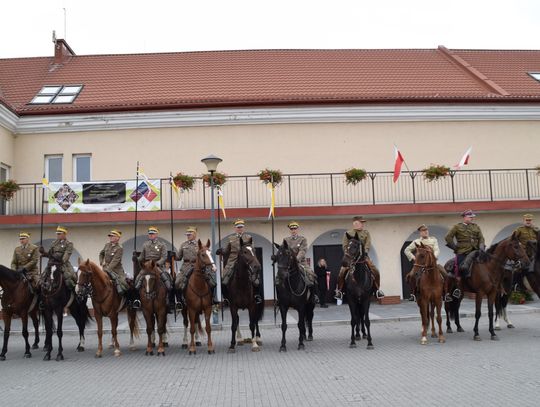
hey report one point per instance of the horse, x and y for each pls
(358, 287)
(198, 295)
(533, 279)
(56, 299)
(486, 277)
(18, 300)
(241, 295)
(293, 292)
(501, 300)
(452, 308)
(92, 280)
(430, 290)
(153, 294)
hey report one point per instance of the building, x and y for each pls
(310, 113)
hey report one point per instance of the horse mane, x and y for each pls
(491, 249)
(9, 274)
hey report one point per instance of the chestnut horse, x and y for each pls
(486, 277)
(198, 296)
(153, 295)
(18, 300)
(430, 290)
(92, 280)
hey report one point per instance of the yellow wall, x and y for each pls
(7, 148)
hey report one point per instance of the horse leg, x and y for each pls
(477, 315)
(234, 327)
(354, 322)
(24, 321)
(447, 312)
(7, 328)
(59, 333)
(309, 322)
(35, 321)
(162, 329)
(149, 332)
(490, 301)
(48, 334)
(207, 316)
(186, 325)
(114, 331)
(283, 312)
(192, 317)
(506, 318)
(133, 327)
(252, 324)
(239, 337)
(365, 315)
(432, 317)
(198, 325)
(424, 313)
(99, 323)
(438, 304)
(456, 319)
(301, 326)
(258, 334)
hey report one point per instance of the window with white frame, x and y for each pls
(56, 94)
(82, 167)
(53, 168)
(535, 75)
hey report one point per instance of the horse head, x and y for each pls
(84, 277)
(513, 250)
(355, 249)
(151, 275)
(424, 257)
(247, 255)
(284, 259)
(204, 256)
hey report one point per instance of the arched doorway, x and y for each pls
(505, 232)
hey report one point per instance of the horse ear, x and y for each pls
(277, 246)
(349, 237)
(416, 244)
(241, 241)
(199, 243)
(79, 260)
(208, 243)
(356, 236)
(285, 244)
(87, 262)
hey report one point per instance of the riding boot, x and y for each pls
(214, 296)
(257, 294)
(179, 300)
(170, 301)
(224, 293)
(136, 300)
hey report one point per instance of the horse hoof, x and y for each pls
(477, 338)
(259, 342)
(309, 338)
(47, 357)
(132, 348)
(449, 331)
(149, 353)
(231, 350)
(35, 346)
(117, 353)
(111, 346)
(364, 336)
(2, 358)
(357, 337)
(27, 355)
(494, 338)
(161, 353)
(165, 344)
(59, 358)
(370, 347)
(256, 349)
(423, 341)
(192, 352)
(240, 343)
(184, 346)
(198, 344)
(301, 346)
(352, 345)
(211, 352)
(497, 328)
(98, 355)
(442, 340)
(460, 329)
(283, 349)
(510, 326)
(80, 348)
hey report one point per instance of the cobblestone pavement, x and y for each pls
(399, 371)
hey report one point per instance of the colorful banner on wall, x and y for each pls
(111, 196)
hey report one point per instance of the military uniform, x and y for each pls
(230, 253)
(527, 234)
(61, 251)
(298, 245)
(468, 239)
(429, 241)
(110, 259)
(27, 257)
(188, 253)
(157, 251)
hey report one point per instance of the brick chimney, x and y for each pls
(62, 51)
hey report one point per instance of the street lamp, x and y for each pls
(211, 163)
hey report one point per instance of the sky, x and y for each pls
(137, 26)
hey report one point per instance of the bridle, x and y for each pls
(47, 287)
(203, 266)
(290, 271)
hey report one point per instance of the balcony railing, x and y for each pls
(330, 189)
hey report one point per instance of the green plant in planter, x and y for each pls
(219, 178)
(271, 176)
(183, 181)
(354, 175)
(434, 172)
(8, 189)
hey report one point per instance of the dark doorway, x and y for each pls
(333, 254)
(406, 266)
(259, 255)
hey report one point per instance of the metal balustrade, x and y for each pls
(330, 189)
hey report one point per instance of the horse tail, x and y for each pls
(453, 309)
(501, 301)
(133, 322)
(259, 309)
(199, 325)
(81, 313)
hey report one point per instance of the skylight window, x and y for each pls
(57, 94)
(535, 75)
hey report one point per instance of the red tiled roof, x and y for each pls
(273, 77)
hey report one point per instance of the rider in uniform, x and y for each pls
(60, 252)
(230, 256)
(25, 260)
(155, 249)
(110, 259)
(527, 235)
(365, 238)
(298, 245)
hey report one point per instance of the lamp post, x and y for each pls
(211, 163)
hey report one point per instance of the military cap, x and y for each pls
(153, 230)
(239, 223)
(468, 212)
(359, 219)
(293, 225)
(528, 216)
(422, 227)
(190, 230)
(24, 235)
(61, 229)
(116, 233)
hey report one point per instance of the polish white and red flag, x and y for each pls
(398, 163)
(464, 160)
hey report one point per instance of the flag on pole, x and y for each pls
(141, 173)
(464, 160)
(174, 186)
(45, 183)
(221, 204)
(272, 214)
(398, 163)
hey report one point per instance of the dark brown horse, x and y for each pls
(93, 281)
(198, 295)
(486, 277)
(241, 295)
(18, 300)
(430, 290)
(57, 298)
(533, 279)
(153, 295)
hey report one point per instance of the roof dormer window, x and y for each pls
(57, 94)
(535, 75)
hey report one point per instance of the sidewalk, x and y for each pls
(333, 315)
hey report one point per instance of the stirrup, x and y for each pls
(338, 295)
(456, 293)
(179, 306)
(379, 294)
(258, 299)
(412, 297)
(448, 298)
(136, 304)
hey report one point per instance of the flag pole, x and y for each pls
(272, 209)
(41, 221)
(220, 257)
(171, 210)
(135, 269)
